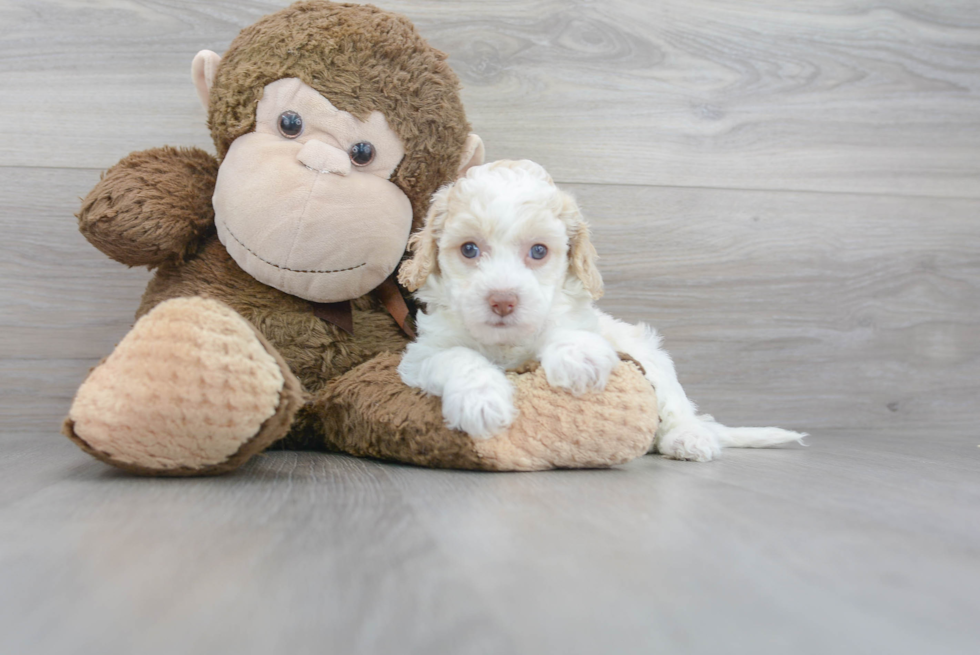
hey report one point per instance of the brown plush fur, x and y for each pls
(362, 59)
(553, 429)
(316, 351)
(154, 209)
(152, 206)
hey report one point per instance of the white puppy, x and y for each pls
(507, 273)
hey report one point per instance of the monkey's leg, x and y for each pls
(193, 389)
(369, 411)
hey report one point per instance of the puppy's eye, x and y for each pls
(361, 154)
(469, 250)
(290, 124)
(538, 251)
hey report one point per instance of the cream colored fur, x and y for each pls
(187, 387)
(505, 210)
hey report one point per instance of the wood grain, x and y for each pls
(676, 558)
(851, 96)
(303, 552)
(808, 310)
(789, 193)
(825, 310)
(297, 560)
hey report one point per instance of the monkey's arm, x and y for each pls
(152, 206)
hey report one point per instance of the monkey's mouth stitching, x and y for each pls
(283, 268)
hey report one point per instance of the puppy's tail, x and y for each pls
(754, 437)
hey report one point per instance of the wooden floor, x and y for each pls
(791, 193)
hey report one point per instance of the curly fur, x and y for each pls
(466, 339)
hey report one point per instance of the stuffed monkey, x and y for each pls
(273, 315)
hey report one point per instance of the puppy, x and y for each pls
(507, 273)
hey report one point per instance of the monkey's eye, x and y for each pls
(469, 250)
(290, 124)
(538, 251)
(362, 154)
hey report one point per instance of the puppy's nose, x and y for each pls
(502, 302)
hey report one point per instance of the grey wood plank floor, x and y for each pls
(790, 194)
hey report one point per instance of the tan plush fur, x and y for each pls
(362, 59)
(554, 429)
(601, 430)
(173, 401)
(188, 387)
(315, 351)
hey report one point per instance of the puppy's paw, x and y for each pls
(693, 441)
(479, 407)
(581, 364)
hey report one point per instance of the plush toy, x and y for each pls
(274, 315)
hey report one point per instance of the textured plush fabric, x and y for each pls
(154, 209)
(361, 59)
(314, 350)
(191, 387)
(553, 429)
(152, 206)
(323, 236)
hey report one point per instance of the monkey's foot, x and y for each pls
(193, 389)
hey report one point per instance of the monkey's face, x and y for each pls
(304, 203)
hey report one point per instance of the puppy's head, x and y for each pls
(498, 246)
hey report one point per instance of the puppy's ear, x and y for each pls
(581, 253)
(424, 244)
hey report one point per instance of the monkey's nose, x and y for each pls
(502, 302)
(324, 158)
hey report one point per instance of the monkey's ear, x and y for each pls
(203, 69)
(581, 253)
(473, 154)
(425, 243)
